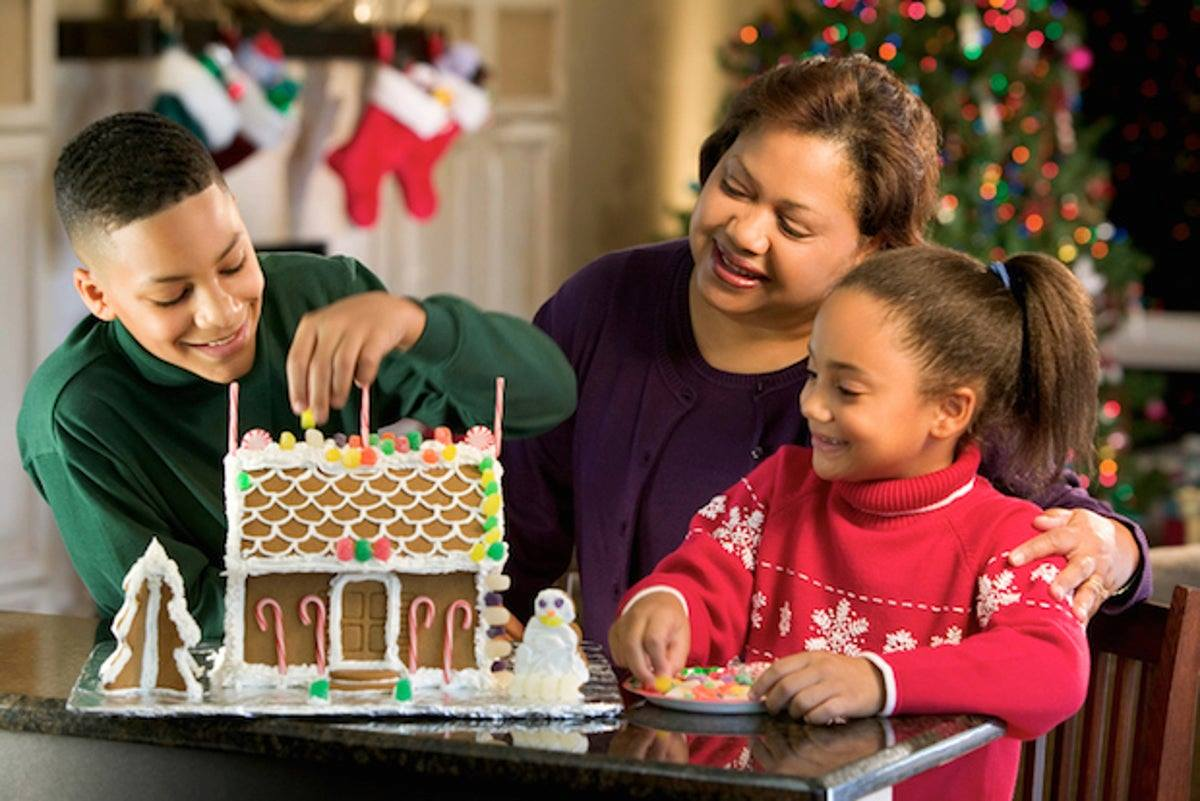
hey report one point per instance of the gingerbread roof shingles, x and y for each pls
(304, 511)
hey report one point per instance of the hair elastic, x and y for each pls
(998, 268)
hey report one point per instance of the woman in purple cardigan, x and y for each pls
(690, 355)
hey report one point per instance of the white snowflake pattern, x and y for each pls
(757, 602)
(785, 619)
(899, 640)
(741, 761)
(740, 534)
(995, 594)
(713, 508)
(1045, 571)
(953, 636)
(840, 630)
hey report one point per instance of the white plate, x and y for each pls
(692, 705)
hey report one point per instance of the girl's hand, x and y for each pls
(651, 637)
(343, 344)
(1101, 556)
(821, 687)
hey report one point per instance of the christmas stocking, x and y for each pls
(263, 93)
(191, 93)
(403, 130)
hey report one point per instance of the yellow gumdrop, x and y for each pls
(352, 457)
(487, 477)
(333, 455)
(491, 536)
(307, 419)
(449, 452)
(477, 552)
(662, 683)
(491, 505)
(287, 441)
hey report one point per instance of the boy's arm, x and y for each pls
(449, 375)
(1028, 666)
(106, 527)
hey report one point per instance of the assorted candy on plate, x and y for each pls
(720, 684)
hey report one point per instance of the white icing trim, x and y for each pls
(391, 632)
(150, 646)
(657, 588)
(933, 507)
(889, 682)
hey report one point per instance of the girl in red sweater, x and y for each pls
(872, 568)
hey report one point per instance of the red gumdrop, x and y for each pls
(442, 435)
(382, 548)
(402, 445)
(369, 456)
(355, 441)
(345, 549)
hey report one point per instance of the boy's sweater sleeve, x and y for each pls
(464, 349)
(714, 568)
(106, 526)
(1028, 664)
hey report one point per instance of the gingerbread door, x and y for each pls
(364, 620)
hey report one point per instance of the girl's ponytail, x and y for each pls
(1054, 402)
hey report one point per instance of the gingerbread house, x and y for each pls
(154, 632)
(356, 563)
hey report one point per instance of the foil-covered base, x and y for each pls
(601, 698)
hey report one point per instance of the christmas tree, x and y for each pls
(1020, 171)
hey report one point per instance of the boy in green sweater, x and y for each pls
(123, 427)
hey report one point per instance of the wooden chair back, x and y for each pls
(1134, 736)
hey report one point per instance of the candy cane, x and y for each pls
(280, 647)
(413, 608)
(233, 417)
(499, 415)
(364, 414)
(305, 618)
(448, 641)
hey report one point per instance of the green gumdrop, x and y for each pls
(404, 690)
(490, 523)
(283, 93)
(362, 550)
(319, 689)
(414, 440)
(373, 440)
(491, 489)
(496, 551)
(485, 463)
(244, 482)
(388, 447)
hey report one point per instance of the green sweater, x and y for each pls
(125, 447)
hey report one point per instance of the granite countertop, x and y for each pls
(647, 752)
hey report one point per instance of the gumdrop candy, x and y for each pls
(369, 456)
(354, 441)
(362, 550)
(287, 441)
(319, 690)
(477, 552)
(381, 549)
(340, 439)
(404, 690)
(402, 445)
(442, 435)
(491, 504)
(487, 477)
(244, 481)
(345, 549)
(333, 455)
(352, 457)
(449, 452)
(429, 456)
(662, 683)
(491, 536)
(414, 439)
(496, 551)
(308, 420)
(485, 463)
(388, 446)
(314, 438)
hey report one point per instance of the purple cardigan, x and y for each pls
(657, 432)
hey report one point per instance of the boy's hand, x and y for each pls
(651, 638)
(821, 687)
(343, 344)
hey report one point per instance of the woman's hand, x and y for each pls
(651, 637)
(821, 687)
(1101, 555)
(343, 344)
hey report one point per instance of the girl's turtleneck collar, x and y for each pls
(902, 497)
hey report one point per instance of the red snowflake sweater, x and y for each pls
(909, 573)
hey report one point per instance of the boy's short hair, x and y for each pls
(127, 167)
